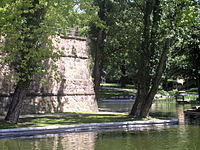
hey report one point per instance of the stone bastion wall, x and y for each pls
(72, 93)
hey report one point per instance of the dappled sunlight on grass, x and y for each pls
(116, 85)
(67, 120)
(109, 93)
(108, 90)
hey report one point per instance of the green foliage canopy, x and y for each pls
(28, 26)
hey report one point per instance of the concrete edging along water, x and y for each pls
(17, 132)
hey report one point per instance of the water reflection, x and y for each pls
(175, 138)
(172, 137)
(180, 113)
(164, 109)
(73, 141)
(115, 107)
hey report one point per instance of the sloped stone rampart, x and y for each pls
(73, 93)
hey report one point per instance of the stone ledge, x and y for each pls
(17, 132)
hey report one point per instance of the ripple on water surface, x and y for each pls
(171, 138)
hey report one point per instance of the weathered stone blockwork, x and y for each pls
(74, 93)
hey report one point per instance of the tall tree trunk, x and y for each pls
(123, 78)
(138, 106)
(99, 47)
(198, 84)
(156, 82)
(98, 62)
(147, 87)
(26, 70)
(17, 101)
(142, 64)
(145, 98)
(195, 57)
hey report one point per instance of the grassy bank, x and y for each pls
(109, 93)
(116, 85)
(66, 119)
(108, 90)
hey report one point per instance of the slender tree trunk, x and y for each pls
(137, 108)
(196, 63)
(144, 97)
(99, 48)
(98, 62)
(30, 42)
(156, 81)
(17, 102)
(147, 87)
(123, 76)
(143, 69)
(198, 85)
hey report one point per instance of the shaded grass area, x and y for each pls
(109, 93)
(116, 85)
(192, 90)
(67, 120)
(163, 115)
(190, 97)
(190, 94)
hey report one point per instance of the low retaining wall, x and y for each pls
(8, 133)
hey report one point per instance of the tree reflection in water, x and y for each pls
(72, 141)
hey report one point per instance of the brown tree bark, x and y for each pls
(147, 88)
(198, 85)
(196, 62)
(143, 69)
(156, 82)
(98, 61)
(33, 20)
(197, 75)
(99, 47)
(146, 95)
(123, 78)
(16, 104)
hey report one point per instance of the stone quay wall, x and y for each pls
(72, 93)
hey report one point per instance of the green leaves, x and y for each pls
(184, 56)
(27, 26)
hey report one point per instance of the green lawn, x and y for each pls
(68, 119)
(80, 118)
(109, 93)
(116, 85)
(192, 91)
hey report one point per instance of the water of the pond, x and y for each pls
(167, 138)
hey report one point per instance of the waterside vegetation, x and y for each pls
(67, 119)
